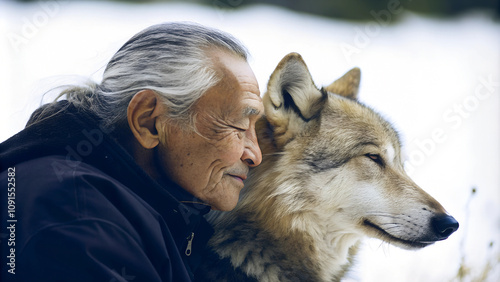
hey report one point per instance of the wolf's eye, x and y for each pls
(376, 158)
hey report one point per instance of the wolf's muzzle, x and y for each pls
(444, 225)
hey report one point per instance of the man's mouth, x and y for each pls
(239, 177)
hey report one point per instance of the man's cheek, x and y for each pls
(232, 148)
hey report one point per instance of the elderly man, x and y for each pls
(111, 183)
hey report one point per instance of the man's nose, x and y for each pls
(252, 155)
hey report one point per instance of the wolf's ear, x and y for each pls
(292, 100)
(347, 85)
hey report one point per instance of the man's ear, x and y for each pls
(142, 112)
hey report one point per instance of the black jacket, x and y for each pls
(76, 207)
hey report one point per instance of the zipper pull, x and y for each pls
(190, 244)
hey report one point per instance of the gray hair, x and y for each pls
(170, 59)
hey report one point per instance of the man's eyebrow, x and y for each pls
(250, 111)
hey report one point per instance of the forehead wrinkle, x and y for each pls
(254, 88)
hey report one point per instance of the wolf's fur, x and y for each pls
(331, 174)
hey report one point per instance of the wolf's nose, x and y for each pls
(444, 225)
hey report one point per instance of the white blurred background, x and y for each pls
(436, 79)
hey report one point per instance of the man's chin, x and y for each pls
(224, 207)
(227, 202)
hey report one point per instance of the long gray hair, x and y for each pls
(170, 59)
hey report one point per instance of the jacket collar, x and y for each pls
(62, 129)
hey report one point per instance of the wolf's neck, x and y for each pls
(333, 247)
(302, 240)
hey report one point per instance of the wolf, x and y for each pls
(332, 173)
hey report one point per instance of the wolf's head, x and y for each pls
(331, 160)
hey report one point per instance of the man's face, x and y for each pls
(212, 165)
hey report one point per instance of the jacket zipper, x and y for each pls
(190, 244)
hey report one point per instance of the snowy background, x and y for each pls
(437, 80)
